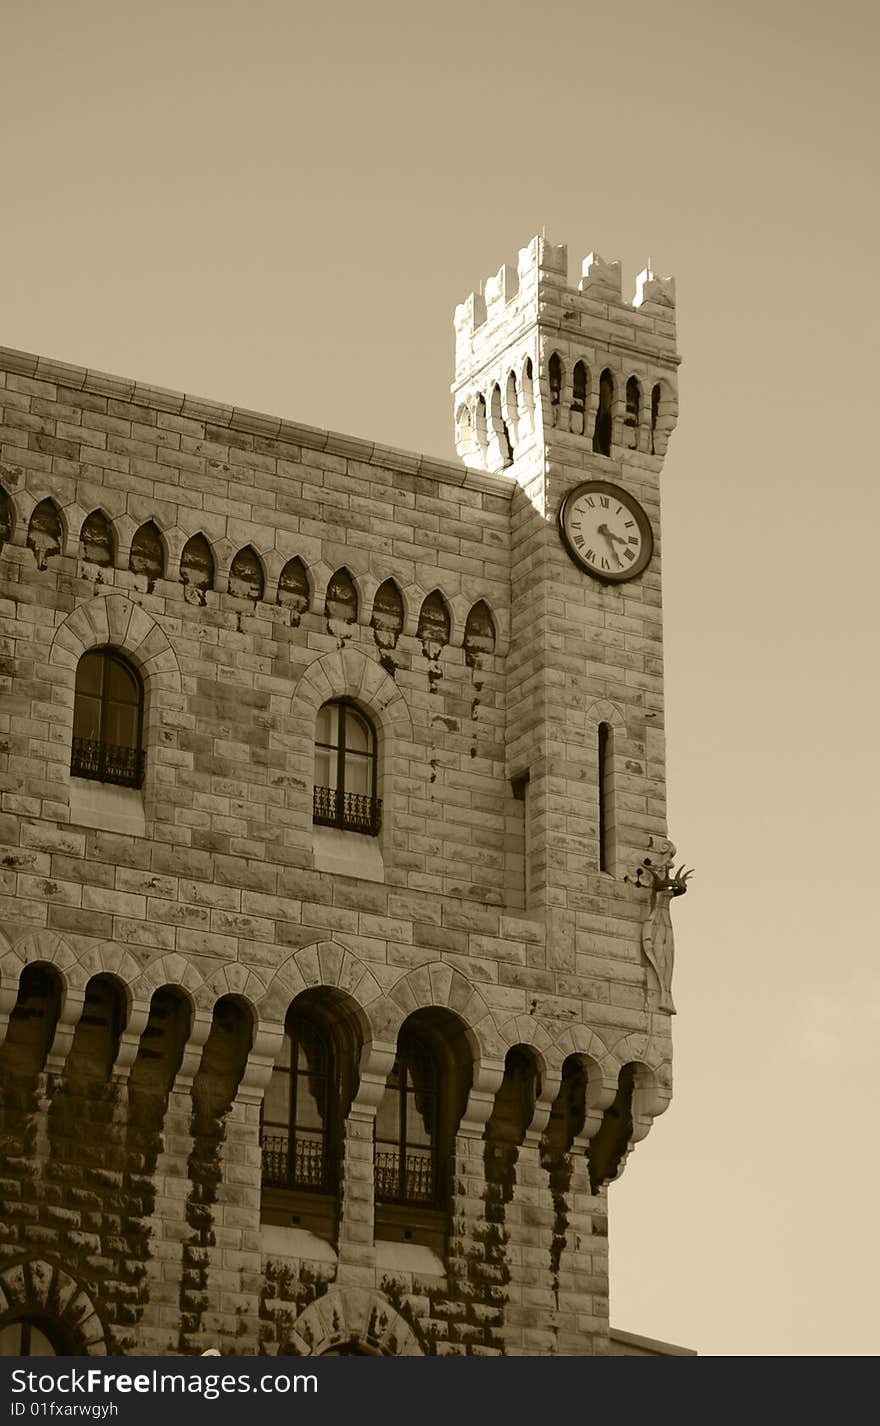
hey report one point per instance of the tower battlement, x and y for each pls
(529, 343)
(537, 283)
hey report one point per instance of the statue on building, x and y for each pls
(656, 871)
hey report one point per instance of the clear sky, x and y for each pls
(280, 205)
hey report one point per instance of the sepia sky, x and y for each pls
(279, 205)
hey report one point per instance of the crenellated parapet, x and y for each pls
(535, 355)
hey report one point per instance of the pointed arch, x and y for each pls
(555, 378)
(389, 614)
(603, 429)
(294, 588)
(580, 385)
(435, 620)
(197, 569)
(45, 532)
(632, 414)
(479, 633)
(247, 577)
(97, 544)
(342, 601)
(147, 553)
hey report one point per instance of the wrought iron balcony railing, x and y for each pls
(107, 762)
(300, 1165)
(418, 1177)
(352, 811)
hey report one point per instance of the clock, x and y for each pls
(606, 531)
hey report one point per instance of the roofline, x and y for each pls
(255, 423)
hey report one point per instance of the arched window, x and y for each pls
(578, 398)
(345, 770)
(299, 1143)
(107, 720)
(407, 1128)
(554, 371)
(31, 1337)
(528, 390)
(631, 420)
(499, 427)
(603, 428)
(512, 408)
(480, 426)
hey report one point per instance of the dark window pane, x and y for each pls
(87, 717)
(120, 683)
(89, 674)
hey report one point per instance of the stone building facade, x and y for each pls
(335, 950)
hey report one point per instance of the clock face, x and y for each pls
(606, 531)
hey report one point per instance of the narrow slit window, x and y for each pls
(606, 796)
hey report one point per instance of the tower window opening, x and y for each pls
(603, 428)
(578, 398)
(528, 392)
(631, 420)
(655, 413)
(107, 720)
(512, 425)
(499, 427)
(346, 771)
(554, 373)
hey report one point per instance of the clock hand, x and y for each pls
(610, 535)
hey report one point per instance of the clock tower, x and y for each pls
(571, 392)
